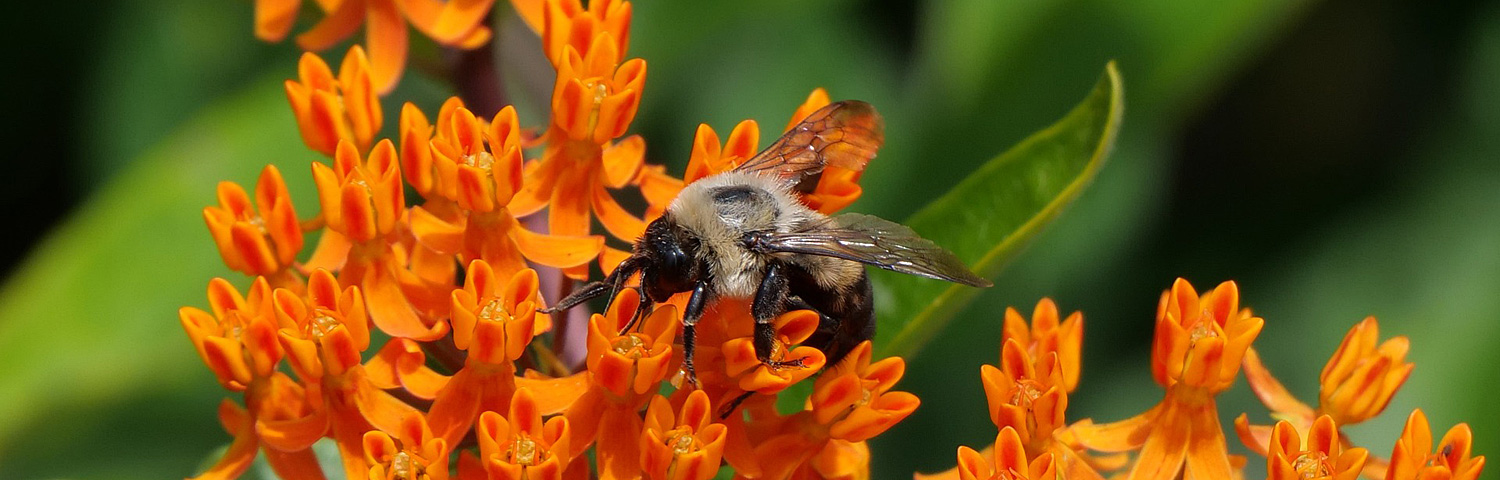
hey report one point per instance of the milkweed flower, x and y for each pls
(1008, 462)
(1047, 335)
(324, 335)
(363, 204)
(475, 168)
(519, 445)
(1196, 354)
(238, 343)
(594, 100)
(1414, 458)
(413, 453)
(625, 369)
(1028, 393)
(493, 320)
(454, 23)
(262, 238)
(330, 109)
(789, 362)
(238, 340)
(685, 446)
(1356, 384)
(1319, 457)
(850, 404)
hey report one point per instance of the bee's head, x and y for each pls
(671, 258)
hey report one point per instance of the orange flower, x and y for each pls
(361, 198)
(567, 23)
(625, 370)
(596, 96)
(259, 239)
(854, 399)
(1196, 354)
(324, 336)
(1319, 457)
(480, 181)
(1361, 377)
(363, 203)
(593, 102)
(493, 322)
(1411, 460)
(687, 447)
(331, 109)
(275, 399)
(1009, 461)
(1047, 335)
(454, 23)
(413, 454)
(519, 446)
(753, 375)
(851, 403)
(1357, 384)
(1030, 397)
(237, 341)
(1200, 341)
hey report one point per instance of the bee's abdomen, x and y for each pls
(848, 312)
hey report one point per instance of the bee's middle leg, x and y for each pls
(770, 301)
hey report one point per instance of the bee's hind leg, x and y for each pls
(770, 301)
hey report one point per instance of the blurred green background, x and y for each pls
(1338, 158)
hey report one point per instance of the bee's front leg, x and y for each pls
(770, 301)
(694, 311)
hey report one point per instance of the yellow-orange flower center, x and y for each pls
(682, 441)
(494, 311)
(482, 160)
(1027, 391)
(1311, 465)
(524, 451)
(1204, 328)
(401, 466)
(321, 325)
(630, 345)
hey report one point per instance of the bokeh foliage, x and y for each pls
(100, 382)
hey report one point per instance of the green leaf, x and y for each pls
(990, 215)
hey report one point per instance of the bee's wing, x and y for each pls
(844, 134)
(870, 240)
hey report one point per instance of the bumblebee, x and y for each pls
(746, 234)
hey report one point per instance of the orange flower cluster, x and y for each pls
(469, 379)
(452, 23)
(411, 335)
(1200, 343)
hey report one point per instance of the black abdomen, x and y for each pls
(848, 313)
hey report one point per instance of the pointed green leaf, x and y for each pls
(990, 215)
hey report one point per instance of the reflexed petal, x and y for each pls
(386, 36)
(293, 434)
(1165, 450)
(557, 250)
(1270, 390)
(339, 24)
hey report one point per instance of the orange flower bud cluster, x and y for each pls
(454, 23)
